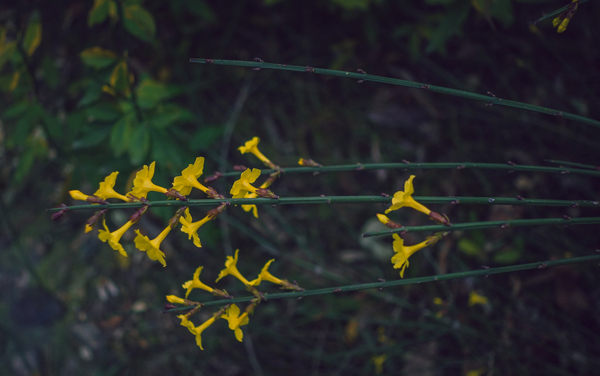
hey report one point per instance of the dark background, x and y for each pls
(71, 305)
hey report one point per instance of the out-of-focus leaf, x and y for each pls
(14, 82)
(165, 150)
(444, 2)
(139, 22)
(139, 144)
(150, 92)
(93, 91)
(502, 10)
(352, 4)
(33, 34)
(120, 134)
(16, 110)
(54, 126)
(98, 57)
(118, 78)
(92, 138)
(201, 9)
(469, 247)
(50, 71)
(510, 256)
(449, 25)
(76, 121)
(6, 52)
(24, 126)
(98, 12)
(168, 114)
(103, 111)
(24, 165)
(204, 137)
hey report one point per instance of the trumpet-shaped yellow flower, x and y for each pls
(231, 269)
(563, 19)
(402, 199)
(114, 237)
(142, 184)
(248, 208)
(243, 185)
(400, 259)
(88, 228)
(475, 298)
(152, 247)
(236, 320)
(175, 299)
(191, 228)
(378, 362)
(189, 178)
(195, 283)
(197, 331)
(266, 276)
(107, 190)
(252, 147)
(78, 195)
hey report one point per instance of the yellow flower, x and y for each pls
(174, 299)
(106, 189)
(189, 178)
(151, 247)
(78, 195)
(113, 237)
(563, 19)
(191, 228)
(88, 228)
(197, 331)
(142, 184)
(266, 276)
(378, 362)
(252, 147)
(236, 320)
(402, 199)
(247, 208)
(475, 298)
(400, 259)
(195, 283)
(243, 185)
(231, 269)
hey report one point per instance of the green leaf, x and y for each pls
(201, 9)
(164, 150)
(139, 144)
(449, 25)
(120, 135)
(150, 92)
(6, 52)
(24, 165)
(33, 34)
(99, 12)
(510, 256)
(168, 114)
(103, 111)
(118, 77)
(24, 126)
(139, 22)
(98, 58)
(50, 71)
(16, 110)
(469, 247)
(205, 137)
(92, 138)
(54, 126)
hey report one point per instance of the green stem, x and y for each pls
(340, 200)
(410, 281)
(394, 81)
(426, 166)
(580, 165)
(554, 13)
(490, 224)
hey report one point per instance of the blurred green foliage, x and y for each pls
(95, 87)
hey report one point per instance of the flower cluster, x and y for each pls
(230, 312)
(404, 199)
(562, 21)
(182, 186)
